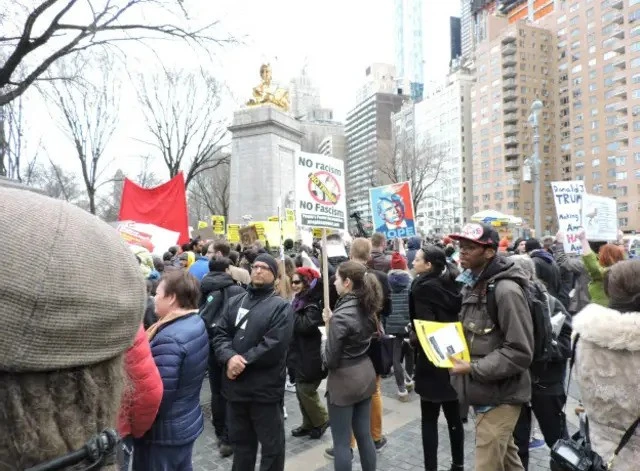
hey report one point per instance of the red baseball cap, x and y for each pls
(478, 233)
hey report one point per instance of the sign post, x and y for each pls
(321, 200)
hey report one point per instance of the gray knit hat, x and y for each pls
(78, 300)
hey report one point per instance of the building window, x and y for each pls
(595, 162)
(623, 207)
(621, 176)
(623, 222)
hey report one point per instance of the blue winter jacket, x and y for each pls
(181, 352)
(199, 268)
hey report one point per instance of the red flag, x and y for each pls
(165, 205)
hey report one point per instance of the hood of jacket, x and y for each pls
(398, 280)
(501, 267)
(543, 255)
(414, 243)
(214, 281)
(608, 328)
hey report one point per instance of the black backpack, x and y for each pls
(543, 343)
(210, 312)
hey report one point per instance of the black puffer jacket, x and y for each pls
(305, 356)
(398, 318)
(434, 298)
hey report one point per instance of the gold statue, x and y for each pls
(263, 93)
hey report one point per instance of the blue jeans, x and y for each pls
(343, 420)
(149, 457)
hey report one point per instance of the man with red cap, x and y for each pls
(496, 382)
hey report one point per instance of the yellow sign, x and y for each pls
(202, 224)
(441, 340)
(217, 224)
(317, 233)
(233, 233)
(290, 215)
(273, 219)
(260, 229)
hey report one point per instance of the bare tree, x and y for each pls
(419, 163)
(14, 145)
(37, 34)
(209, 193)
(146, 177)
(183, 118)
(53, 181)
(89, 115)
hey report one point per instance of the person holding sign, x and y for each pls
(497, 381)
(435, 297)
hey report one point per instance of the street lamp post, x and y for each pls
(536, 106)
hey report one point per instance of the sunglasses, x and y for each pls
(296, 282)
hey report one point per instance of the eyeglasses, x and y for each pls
(296, 282)
(259, 267)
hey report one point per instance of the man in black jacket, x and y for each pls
(217, 288)
(252, 340)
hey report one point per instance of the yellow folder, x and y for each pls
(440, 340)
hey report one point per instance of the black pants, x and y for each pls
(251, 423)
(430, 412)
(550, 415)
(218, 403)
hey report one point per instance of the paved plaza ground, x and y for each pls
(401, 425)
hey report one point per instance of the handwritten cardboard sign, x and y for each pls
(568, 199)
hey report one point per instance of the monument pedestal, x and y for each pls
(264, 144)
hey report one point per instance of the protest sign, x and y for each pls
(320, 191)
(392, 210)
(233, 233)
(599, 217)
(290, 215)
(568, 199)
(217, 224)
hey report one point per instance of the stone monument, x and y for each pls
(265, 141)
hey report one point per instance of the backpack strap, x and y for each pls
(489, 293)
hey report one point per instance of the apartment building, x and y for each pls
(599, 83)
(443, 138)
(513, 67)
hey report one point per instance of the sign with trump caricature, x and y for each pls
(392, 210)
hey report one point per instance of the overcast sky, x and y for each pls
(337, 38)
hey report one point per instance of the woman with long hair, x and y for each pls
(435, 296)
(352, 378)
(305, 358)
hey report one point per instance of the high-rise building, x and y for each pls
(379, 78)
(512, 71)
(466, 29)
(304, 96)
(369, 137)
(333, 146)
(443, 139)
(599, 77)
(456, 46)
(409, 57)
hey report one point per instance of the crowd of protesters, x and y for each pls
(127, 341)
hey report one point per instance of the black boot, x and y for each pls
(457, 467)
